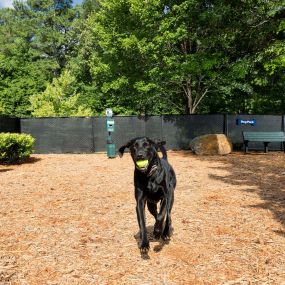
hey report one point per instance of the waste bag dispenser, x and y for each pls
(110, 124)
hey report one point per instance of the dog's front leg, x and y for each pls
(140, 208)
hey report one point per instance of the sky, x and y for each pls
(8, 3)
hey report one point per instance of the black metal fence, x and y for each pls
(11, 125)
(88, 134)
(60, 135)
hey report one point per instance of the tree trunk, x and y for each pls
(188, 94)
(193, 102)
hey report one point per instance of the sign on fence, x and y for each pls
(251, 122)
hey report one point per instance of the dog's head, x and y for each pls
(143, 151)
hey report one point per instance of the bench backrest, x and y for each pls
(264, 136)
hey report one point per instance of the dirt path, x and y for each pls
(70, 219)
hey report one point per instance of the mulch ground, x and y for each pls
(70, 219)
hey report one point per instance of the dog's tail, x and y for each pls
(160, 146)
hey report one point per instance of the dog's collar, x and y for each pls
(152, 170)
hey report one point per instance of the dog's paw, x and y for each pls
(165, 237)
(157, 233)
(166, 234)
(157, 230)
(144, 247)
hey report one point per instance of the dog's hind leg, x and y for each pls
(167, 228)
(152, 207)
(157, 231)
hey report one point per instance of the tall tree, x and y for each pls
(53, 23)
(147, 56)
(160, 56)
(35, 40)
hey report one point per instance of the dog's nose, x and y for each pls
(140, 156)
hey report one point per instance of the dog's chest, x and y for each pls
(154, 194)
(155, 189)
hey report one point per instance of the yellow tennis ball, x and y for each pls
(142, 163)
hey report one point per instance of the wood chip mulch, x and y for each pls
(70, 219)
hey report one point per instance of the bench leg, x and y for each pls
(246, 147)
(284, 146)
(266, 147)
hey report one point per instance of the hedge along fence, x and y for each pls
(15, 147)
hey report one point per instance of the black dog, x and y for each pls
(155, 182)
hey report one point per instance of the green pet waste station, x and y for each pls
(110, 124)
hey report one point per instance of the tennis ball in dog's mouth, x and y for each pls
(142, 163)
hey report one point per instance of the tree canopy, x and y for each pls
(142, 57)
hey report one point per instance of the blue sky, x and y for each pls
(8, 3)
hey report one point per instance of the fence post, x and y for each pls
(145, 118)
(161, 127)
(225, 126)
(93, 134)
(282, 146)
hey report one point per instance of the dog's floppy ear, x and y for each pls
(160, 143)
(122, 150)
(159, 146)
(157, 143)
(123, 147)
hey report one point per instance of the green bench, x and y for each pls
(265, 137)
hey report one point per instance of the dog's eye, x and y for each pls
(145, 144)
(136, 145)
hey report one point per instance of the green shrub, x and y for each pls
(15, 147)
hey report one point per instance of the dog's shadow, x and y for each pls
(160, 242)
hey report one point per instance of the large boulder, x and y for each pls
(211, 145)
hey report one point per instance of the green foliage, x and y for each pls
(59, 99)
(276, 52)
(35, 40)
(142, 57)
(15, 147)
(175, 57)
